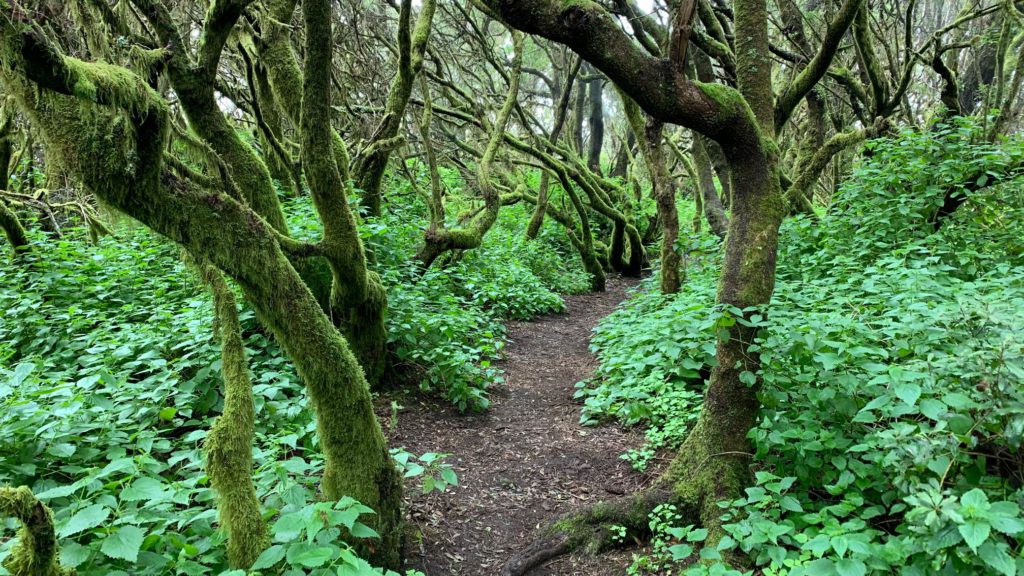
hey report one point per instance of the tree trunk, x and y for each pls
(12, 228)
(596, 123)
(373, 159)
(36, 553)
(537, 218)
(359, 312)
(228, 446)
(665, 198)
(92, 140)
(712, 204)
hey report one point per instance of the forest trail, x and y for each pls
(527, 459)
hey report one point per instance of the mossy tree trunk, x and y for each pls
(438, 239)
(714, 212)
(665, 199)
(595, 121)
(13, 230)
(372, 160)
(649, 133)
(36, 553)
(561, 112)
(357, 301)
(92, 128)
(228, 446)
(194, 83)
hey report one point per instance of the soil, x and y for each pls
(525, 461)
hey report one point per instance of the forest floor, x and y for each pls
(527, 459)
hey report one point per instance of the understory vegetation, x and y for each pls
(104, 418)
(891, 440)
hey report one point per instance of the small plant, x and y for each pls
(437, 475)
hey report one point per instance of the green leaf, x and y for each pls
(58, 492)
(932, 408)
(791, 504)
(21, 371)
(939, 465)
(1005, 517)
(270, 557)
(697, 535)
(850, 567)
(710, 554)
(85, 519)
(311, 557)
(360, 530)
(974, 532)
(996, 557)
(149, 489)
(680, 551)
(449, 476)
(124, 543)
(975, 500)
(167, 414)
(288, 527)
(73, 554)
(840, 544)
(820, 567)
(908, 392)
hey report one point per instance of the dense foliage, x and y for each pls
(891, 439)
(109, 378)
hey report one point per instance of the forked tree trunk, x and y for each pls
(358, 310)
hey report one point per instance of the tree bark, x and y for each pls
(357, 299)
(228, 446)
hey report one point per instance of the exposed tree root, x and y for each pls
(589, 529)
(702, 474)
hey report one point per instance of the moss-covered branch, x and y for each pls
(437, 239)
(228, 446)
(593, 32)
(815, 70)
(194, 84)
(412, 43)
(357, 296)
(36, 553)
(12, 227)
(798, 192)
(869, 59)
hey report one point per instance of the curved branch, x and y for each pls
(36, 553)
(818, 66)
(664, 92)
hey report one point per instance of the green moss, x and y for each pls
(228, 446)
(36, 553)
(12, 227)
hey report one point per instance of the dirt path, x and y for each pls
(524, 461)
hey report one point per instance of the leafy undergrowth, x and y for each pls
(893, 360)
(109, 379)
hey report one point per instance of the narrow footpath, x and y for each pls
(527, 459)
